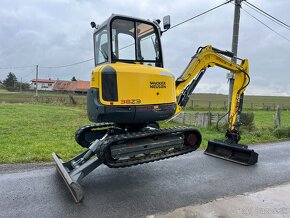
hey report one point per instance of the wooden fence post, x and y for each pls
(72, 100)
(277, 117)
(183, 118)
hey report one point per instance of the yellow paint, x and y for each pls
(209, 58)
(134, 82)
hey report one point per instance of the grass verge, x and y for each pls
(31, 132)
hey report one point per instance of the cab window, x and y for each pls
(101, 46)
(123, 40)
(134, 41)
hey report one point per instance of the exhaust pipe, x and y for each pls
(236, 153)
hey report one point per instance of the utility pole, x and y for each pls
(235, 40)
(21, 84)
(36, 89)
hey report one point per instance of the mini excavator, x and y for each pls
(130, 91)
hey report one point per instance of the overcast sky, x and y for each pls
(58, 32)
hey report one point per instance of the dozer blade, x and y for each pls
(232, 152)
(73, 186)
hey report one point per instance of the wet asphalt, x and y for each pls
(140, 190)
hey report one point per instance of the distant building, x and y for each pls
(42, 84)
(72, 86)
(78, 86)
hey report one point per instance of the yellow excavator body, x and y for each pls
(137, 84)
(131, 91)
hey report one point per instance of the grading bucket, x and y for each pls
(232, 152)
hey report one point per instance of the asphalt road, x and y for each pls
(141, 190)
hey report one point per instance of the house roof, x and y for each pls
(71, 86)
(44, 81)
(82, 85)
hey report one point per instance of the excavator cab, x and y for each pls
(129, 77)
(127, 40)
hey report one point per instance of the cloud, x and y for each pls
(57, 32)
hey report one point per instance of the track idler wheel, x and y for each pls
(193, 139)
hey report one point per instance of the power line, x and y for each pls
(269, 16)
(61, 66)
(186, 20)
(4, 68)
(32, 71)
(279, 34)
(67, 65)
(126, 46)
(200, 14)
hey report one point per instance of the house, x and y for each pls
(42, 84)
(72, 86)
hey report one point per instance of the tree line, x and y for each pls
(11, 83)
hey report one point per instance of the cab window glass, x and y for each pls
(149, 48)
(135, 42)
(101, 46)
(123, 40)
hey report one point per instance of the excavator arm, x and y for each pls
(209, 57)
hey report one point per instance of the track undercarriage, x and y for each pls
(123, 146)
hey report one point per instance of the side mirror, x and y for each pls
(166, 22)
(93, 24)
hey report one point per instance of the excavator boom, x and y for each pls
(209, 56)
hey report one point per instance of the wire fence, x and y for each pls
(248, 105)
(266, 104)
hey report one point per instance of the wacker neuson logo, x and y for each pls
(157, 85)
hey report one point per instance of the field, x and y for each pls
(43, 97)
(31, 132)
(196, 102)
(219, 101)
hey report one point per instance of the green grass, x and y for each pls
(262, 132)
(31, 132)
(264, 119)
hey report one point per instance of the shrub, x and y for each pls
(247, 119)
(282, 132)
